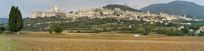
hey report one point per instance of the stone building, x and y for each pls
(51, 13)
(200, 30)
(119, 14)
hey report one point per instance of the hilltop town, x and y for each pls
(110, 13)
(111, 17)
(174, 26)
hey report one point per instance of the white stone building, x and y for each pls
(51, 13)
(200, 30)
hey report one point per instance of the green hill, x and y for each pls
(122, 7)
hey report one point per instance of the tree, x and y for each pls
(101, 13)
(159, 31)
(12, 20)
(115, 28)
(175, 33)
(201, 34)
(185, 30)
(19, 20)
(194, 27)
(105, 30)
(15, 20)
(58, 29)
(145, 32)
(2, 29)
(191, 33)
(149, 28)
(50, 31)
(170, 25)
(71, 12)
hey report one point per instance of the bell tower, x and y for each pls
(56, 8)
(148, 12)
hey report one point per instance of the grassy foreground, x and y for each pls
(7, 44)
(43, 41)
(108, 42)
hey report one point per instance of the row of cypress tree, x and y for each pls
(15, 20)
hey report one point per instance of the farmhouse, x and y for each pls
(200, 30)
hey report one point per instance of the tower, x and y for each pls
(148, 12)
(185, 15)
(56, 8)
(161, 13)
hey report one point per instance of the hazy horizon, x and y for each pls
(27, 6)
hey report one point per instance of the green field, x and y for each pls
(6, 44)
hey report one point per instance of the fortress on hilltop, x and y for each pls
(51, 13)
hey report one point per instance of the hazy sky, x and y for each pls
(27, 6)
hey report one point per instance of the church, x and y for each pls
(51, 13)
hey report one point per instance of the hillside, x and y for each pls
(97, 25)
(84, 24)
(178, 8)
(3, 20)
(122, 7)
(43, 24)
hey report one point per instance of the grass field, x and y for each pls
(107, 42)
(6, 44)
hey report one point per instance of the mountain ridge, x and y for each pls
(3, 20)
(177, 8)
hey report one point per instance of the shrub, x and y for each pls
(145, 33)
(175, 33)
(105, 30)
(137, 31)
(194, 27)
(140, 30)
(2, 29)
(79, 31)
(96, 31)
(191, 34)
(50, 31)
(71, 31)
(171, 25)
(161, 31)
(58, 29)
(115, 28)
(201, 34)
(185, 30)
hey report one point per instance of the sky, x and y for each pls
(27, 6)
